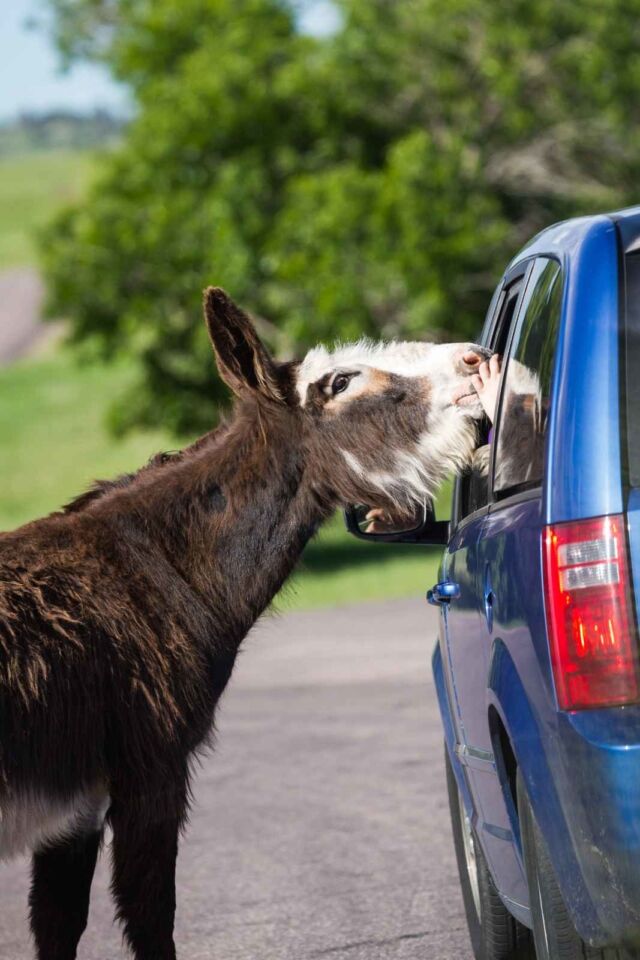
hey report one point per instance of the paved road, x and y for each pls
(320, 827)
(21, 299)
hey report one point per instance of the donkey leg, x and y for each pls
(61, 878)
(143, 882)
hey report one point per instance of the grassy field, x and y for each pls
(53, 437)
(54, 442)
(32, 187)
(338, 569)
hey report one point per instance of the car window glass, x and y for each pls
(526, 389)
(631, 394)
(473, 492)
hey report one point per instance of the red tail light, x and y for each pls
(592, 631)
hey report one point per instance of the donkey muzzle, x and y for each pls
(469, 359)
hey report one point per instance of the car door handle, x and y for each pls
(489, 597)
(443, 592)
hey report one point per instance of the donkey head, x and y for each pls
(380, 423)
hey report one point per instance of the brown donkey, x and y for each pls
(121, 616)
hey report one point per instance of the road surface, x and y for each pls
(320, 825)
(21, 299)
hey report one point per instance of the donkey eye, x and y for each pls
(340, 383)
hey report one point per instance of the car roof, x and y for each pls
(565, 238)
(584, 428)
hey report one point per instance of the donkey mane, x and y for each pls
(100, 488)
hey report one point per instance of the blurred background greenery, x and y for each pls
(372, 175)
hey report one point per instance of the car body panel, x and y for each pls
(509, 556)
(583, 477)
(463, 623)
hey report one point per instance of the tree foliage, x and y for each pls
(374, 181)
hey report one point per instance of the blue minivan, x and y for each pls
(537, 663)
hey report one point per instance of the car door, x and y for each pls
(463, 616)
(505, 558)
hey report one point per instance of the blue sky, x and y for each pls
(30, 76)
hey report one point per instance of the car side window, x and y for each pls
(526, 383)
(472, 492)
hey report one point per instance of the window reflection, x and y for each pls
(527, 381)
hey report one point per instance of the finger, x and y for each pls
(477, 383)
(484, 372)
(495, 365)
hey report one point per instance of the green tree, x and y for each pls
(374, 181)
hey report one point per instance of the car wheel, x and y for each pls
(555, 936)
(495, 934)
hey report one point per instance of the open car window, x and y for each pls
(526, 383)
(472, 491)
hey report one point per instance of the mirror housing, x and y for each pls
(427, 530)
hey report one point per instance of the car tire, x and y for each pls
(495, 934)
(554, 934)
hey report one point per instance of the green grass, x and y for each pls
(54, 442)
(53, 436)
(338, 569)
(32, 187)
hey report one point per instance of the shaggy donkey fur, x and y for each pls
(121, 616)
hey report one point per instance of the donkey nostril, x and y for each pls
(471, 359)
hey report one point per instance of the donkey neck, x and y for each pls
(234, 516)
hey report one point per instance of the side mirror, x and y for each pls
(367, 523)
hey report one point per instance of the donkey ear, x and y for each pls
(243, 361)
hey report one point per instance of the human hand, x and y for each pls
(486, 382)
(382, 521)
